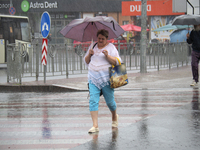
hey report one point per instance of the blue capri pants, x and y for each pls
(108, 94)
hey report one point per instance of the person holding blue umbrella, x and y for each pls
(194, 39)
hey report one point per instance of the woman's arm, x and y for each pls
(88, 57)
(110, 58)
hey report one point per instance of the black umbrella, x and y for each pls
(186, 20)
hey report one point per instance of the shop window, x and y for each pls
(124, 23)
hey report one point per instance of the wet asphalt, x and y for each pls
(157, 110)
(177, 129)
(3, 75)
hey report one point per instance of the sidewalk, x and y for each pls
(174, 78)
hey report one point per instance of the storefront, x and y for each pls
(159, 14)
(61, 12)
(34, 9)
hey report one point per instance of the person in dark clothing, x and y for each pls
(194, 39)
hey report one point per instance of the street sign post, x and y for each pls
(45, 24)
(44, 51)
(45, 29)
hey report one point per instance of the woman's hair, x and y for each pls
(103, 32)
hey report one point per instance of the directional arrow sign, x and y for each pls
(45, 24)
(44, 51)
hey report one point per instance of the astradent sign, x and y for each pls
(43, 5)
(154, 8)
(26, 5)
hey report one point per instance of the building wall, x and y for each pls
(124, 18)
(116, 15)
(64, 12)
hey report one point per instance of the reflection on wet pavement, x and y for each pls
(196, 113)
(61, 120)
(3, 75)
(46, 126)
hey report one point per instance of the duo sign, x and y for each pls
(154, 8)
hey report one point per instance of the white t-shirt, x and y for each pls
(98, 72)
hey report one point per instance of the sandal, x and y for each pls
(93, 130)
(115, 123)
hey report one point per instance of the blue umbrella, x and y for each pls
(178, 36)
(171, 27)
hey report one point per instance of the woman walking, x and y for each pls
(98, 60)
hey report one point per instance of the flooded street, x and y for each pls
(148, 119)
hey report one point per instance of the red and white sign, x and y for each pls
(154, 8)
(44, 51)
(12, 10)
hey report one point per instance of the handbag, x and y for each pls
(118, 75)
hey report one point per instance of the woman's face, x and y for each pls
(102, 40)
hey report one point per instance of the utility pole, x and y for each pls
(143, 41)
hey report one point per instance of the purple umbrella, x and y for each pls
(86, 29)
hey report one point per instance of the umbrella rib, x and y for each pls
(84, 29)
(106, 25)
(113, 25)
(70, 30)
(87, 26)
(93, 28)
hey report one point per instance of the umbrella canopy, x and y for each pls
(86, 29)
(131, 27)
(171, 27)
(186, 20)
(178, 36)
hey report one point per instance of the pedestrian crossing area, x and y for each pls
(60, 121)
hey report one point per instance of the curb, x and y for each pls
(38, 88)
